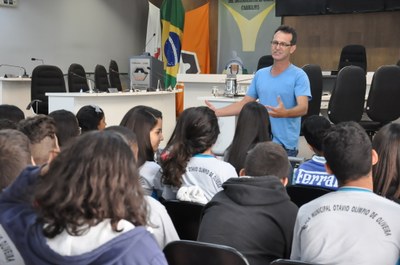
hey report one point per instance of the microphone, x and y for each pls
(91, 90)
(37, 101)
(159, 84)
(147, 43)
(16, 66)
(37, 59)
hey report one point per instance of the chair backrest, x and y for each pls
(113, 72)
(101, 78)
(382, 103)
(45, 78)
(265, 61)
(290, 262)
(186, 252)
(398, 63)
(353, 54)
(303, 194)
(185, 216)
(348, 96)
(314, 74)
(77, 78)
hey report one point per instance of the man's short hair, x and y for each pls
(7, 124)
(289, 30)
(41, 131)
(314, 129)
(267, 159)
(348, 151)
(15, 155)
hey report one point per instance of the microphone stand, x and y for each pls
(91, 90)
(16, 66)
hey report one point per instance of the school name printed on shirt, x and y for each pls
(314, 178)
(207, 172)
(353, 210)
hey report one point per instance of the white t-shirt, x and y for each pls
(148, 172)
(348, 226)
(206, 172)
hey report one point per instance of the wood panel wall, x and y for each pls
(321, 38)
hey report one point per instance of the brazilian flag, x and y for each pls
(172, 18)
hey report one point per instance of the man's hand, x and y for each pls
(279, 111)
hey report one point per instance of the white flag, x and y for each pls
(153, 37)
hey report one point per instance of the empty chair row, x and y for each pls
(50, 78)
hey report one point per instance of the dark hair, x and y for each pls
(89, 117)
(267, 159)
(66, 124)
(141, 120)
(11, 112)
(196, 131)
(253, 126)
(15, 155)
(92, 179)
(314, 129)
(386, 172)
(128, 134)
(8, 124)
(289, 30)
(38, 127)
(347, 150)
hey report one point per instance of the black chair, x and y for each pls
(300, 194)
(113, 72)
(314, 74)
(185, 252)
(101, 78)
(348, 96)
(265, 61)
(382, 103)
(353, 54)
(45, 78)
(185, 216)
(290, 262)
(77, 80)
(398, 63)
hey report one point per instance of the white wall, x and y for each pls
(62, 32)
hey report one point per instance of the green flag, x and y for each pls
(172, 18)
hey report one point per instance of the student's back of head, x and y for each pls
(347, 149)
(252, 127)
(67, 126)
(386, 173)
(15, 155)
(90, 118)
(267, 159)
(11, 112)
(314, 129)
(41, 131)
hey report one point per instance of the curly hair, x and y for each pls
(92, 179)
(38, 127)
(196, 131)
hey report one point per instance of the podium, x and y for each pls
(146, 73)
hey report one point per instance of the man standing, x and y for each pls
(351, 225)
(283, 88)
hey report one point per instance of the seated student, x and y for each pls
(146, 123)
(252, 127)
(254, 213)
(91, 117)
(67, 126)
(15, 155)
(86, 207)
(351, 225)
(8, 124)
(157, 216)
(313, 172)
(41, 131)
(187, 160)
(386, 172)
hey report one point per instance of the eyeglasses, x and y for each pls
(282, 44)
